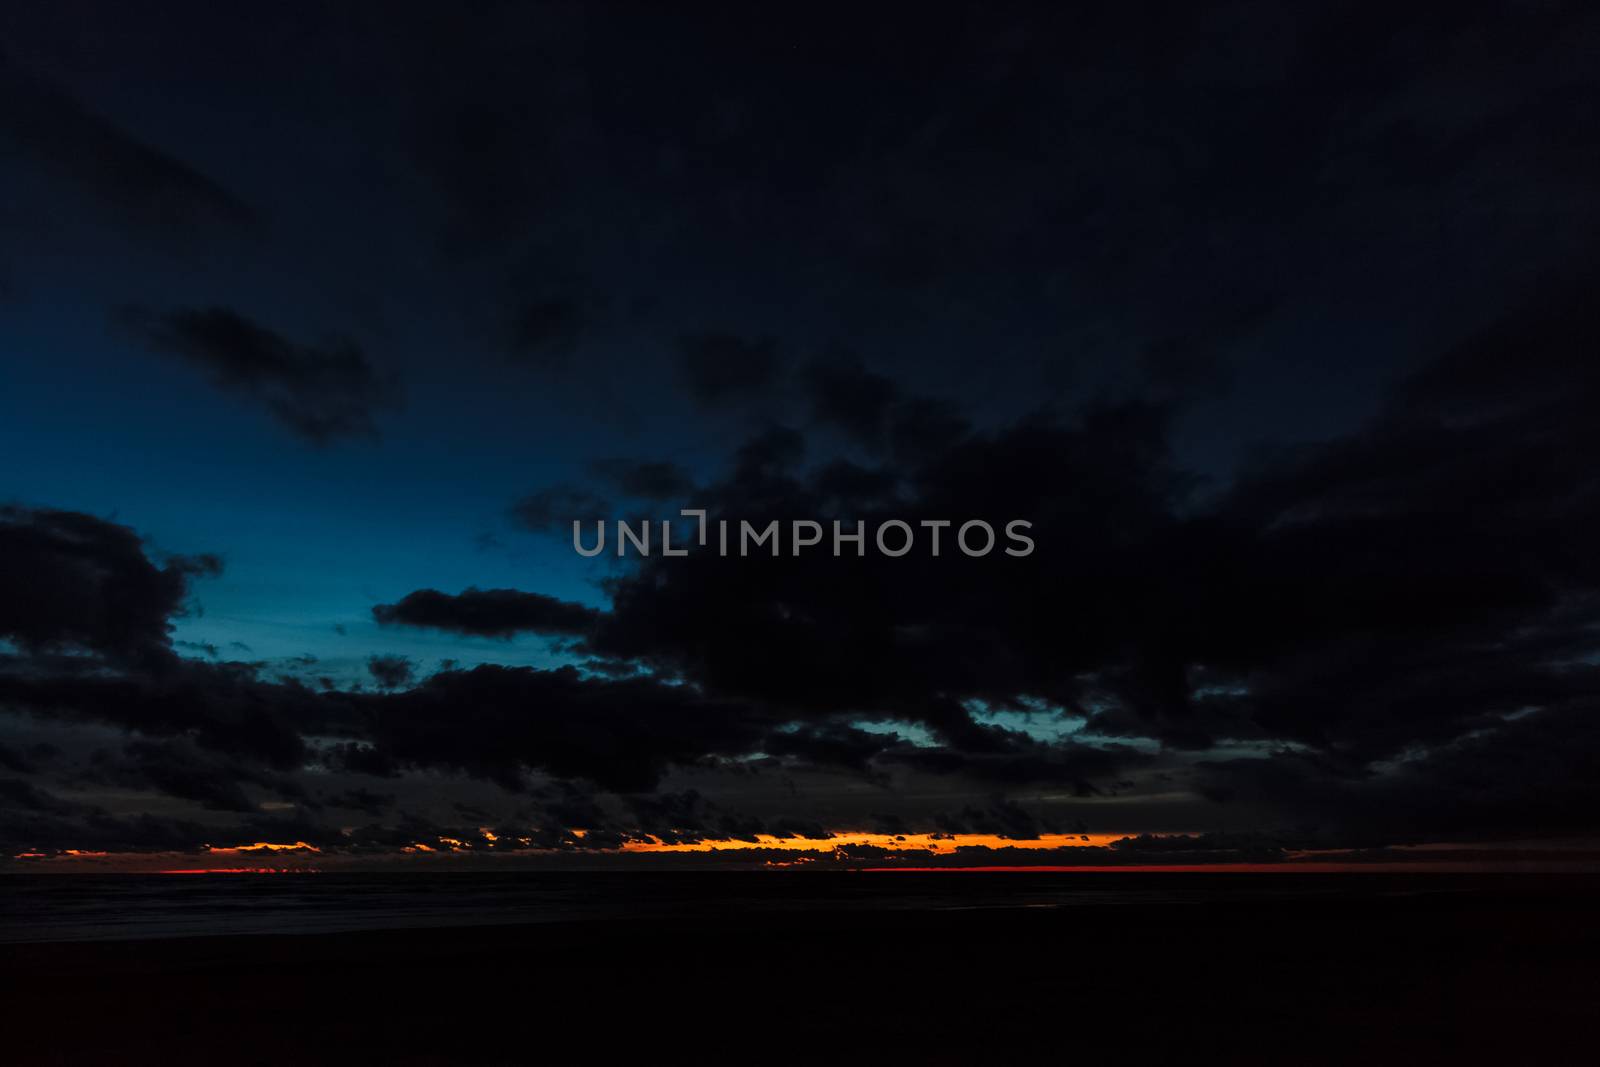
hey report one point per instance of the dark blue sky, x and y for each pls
(553, 237)
(1310, 271)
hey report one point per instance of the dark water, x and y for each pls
(91, 907)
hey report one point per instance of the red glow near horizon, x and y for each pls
(239, 870)
(1287, 867)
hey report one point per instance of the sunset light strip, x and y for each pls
(941, 844)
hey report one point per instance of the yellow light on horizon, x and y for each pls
(940, 844)
(262, 846)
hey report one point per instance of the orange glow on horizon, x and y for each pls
(938, 844)
(846, 850)
(261, 846)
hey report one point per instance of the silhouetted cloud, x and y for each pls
(722, 368)
(72, 581)
(175, 767)
(148, 187)
(488, 613)
(554, 509)
(1386, 635)
(499, 722)
(845, 394)
(643, 479)
(1199, 358)
(390, 672)
(320, 392)
(1381, 631)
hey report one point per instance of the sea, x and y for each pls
(93, 907)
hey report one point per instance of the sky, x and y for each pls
(318, 330)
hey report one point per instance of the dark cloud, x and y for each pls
(320, 392)
(1199, 359)
(390, 672)
(1381, 596)
(1382, 633)
(500, 722)
(547, 329)
(25, 796)
(488, 613)
(93, 828)
(481, 131)
(16, 761)
(360, 799)
(176, 767)
(674, 818)
(1386, 635)
(554, 509)
(643, 479)
(845, 394)
(819, 633)
(1020, 763)
(146, 186)
(831, 745)
(72, 581)
(223, 708)
(722, 368)
(849, 487)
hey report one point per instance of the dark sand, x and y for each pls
(1505, 974)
